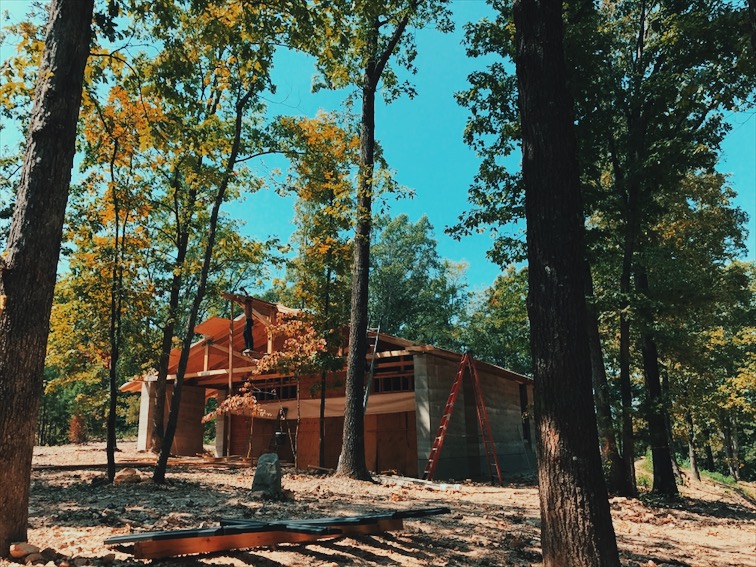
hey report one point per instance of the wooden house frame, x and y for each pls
(410, 386)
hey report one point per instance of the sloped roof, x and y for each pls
(209, 358)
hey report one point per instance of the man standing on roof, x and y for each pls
(248, 342)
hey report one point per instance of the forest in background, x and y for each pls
(166, 136)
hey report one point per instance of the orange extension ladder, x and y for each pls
(466, 365)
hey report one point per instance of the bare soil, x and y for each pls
(73, 511)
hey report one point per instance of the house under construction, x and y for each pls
(409, 389)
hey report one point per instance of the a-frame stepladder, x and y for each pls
(466, 366)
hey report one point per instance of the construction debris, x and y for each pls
(243, 533)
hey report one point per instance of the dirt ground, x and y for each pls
(72, 512)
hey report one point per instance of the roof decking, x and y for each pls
(211, 361)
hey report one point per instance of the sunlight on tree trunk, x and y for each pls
(28, 267)
(576, 525)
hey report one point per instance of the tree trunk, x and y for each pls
(735, 449)
(709, 463)
(617, 481)
(324, 373)
(576, 526)
(170, 428)
(626, 388)
(729, 442)
(752, 19)
(664, 474)
(116, 303)
(169, 329)
(692, 445)
(28, 267)
(352, 458)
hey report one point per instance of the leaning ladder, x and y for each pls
(466, 365)
(371, 375)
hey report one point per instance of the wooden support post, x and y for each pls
(227, 417)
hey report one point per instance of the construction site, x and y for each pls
(486, 434)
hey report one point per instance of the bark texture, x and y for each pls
(30, 262)
(352, 458)
(576, 526)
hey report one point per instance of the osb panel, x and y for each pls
(309, 442)
(391, 443)
(263, 431)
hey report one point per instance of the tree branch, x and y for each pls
(380, 64)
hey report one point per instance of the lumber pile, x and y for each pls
(243, 533)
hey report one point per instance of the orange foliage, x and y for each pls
(299, 356)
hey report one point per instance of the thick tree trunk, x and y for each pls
(352, 458)
(576, 526)
(28, 268)
(691, 430)
(656, 405)
(617, 481)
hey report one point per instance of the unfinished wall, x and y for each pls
(309, 442)
(263, 437)
(504, 406)
(189, 429)
(463, 455)
(391, 442)
(433, 380)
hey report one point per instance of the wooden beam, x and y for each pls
(243, 533)
(160, 548)
(389, 354)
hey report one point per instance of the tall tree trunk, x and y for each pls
(352, 458)
(170, 428)
(324, 373)
(691, 430)
(169, 328)
(576, 525)
(617, 481)
(116, 302)
(664, 474)
(28, 267)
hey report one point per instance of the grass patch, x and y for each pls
(718, 477)
(644, 473)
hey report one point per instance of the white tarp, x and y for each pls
(377, 403)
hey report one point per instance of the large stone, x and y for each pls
(22, 549)
(128, 476)
(34, 559)
(267, 481)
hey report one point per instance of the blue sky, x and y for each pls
(422, 141)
